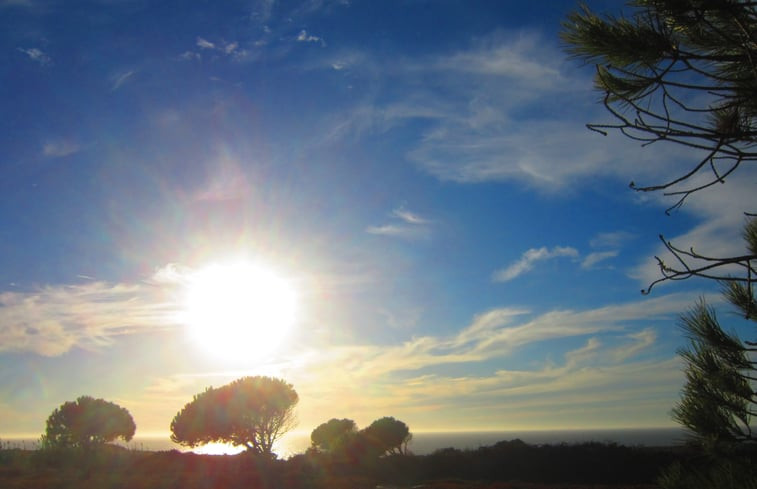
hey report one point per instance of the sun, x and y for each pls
(239, 310)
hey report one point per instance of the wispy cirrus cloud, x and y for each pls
(203, 43)
(598, 256)
(609, 245)
(640, 341)
(608, 368)
(470, 131)
(54, 319)
(303, 36)
(473, 129)
(404, 224)
(222, 49)
(120, 79)
(37, 55)
(530, 258)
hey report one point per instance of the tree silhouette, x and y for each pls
(389, 435)
(87, 422)
(683, 72)
(719, 399)
(333, 433)
(252, 412)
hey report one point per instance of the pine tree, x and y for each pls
(685, 72)
(682, 72)
(719, 400)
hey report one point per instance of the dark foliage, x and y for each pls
(681, 72)
(686, 72)
(388, 435)
(333, 434)
(252, 412)
(87, 422)
(500, 465)
(719, 401)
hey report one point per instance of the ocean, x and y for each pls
(423, 443)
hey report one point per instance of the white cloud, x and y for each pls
(54, 319)
(303, 36)
(601, 372)
(718, 234)
(190, 55)
(60, 148)
(36, 55)
(389, 230)
(119, 79)
(598, 256)
(411, 225)
(222, 48)
(204, 43)
(520, 57)
(473, 130)
(529, 258)
(409, 217)
(641, 340)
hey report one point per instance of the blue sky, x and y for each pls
(465, 254)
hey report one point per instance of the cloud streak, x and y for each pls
(121, 79)
(404, 224)
(37, 55)
(54, 319)
(598, 256)
(608, 368)
(529, 259)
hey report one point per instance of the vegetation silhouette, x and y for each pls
(87, 422)
(389, 435)
(343, 444)
(504, 465)
(333, 434)
(686, 72)
(252, 412)
(719, 398)
(682, 72)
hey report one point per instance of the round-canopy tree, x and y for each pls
(333, 433)
(87, 422)
(252, 412)
(389, 435)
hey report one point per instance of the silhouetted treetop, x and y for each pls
(389, 435)
(252, 412)
(87, 422)
(333, 433)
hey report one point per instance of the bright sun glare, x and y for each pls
(239, 310)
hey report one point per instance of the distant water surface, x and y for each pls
(424, 443)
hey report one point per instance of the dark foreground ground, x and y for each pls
(505, 465)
